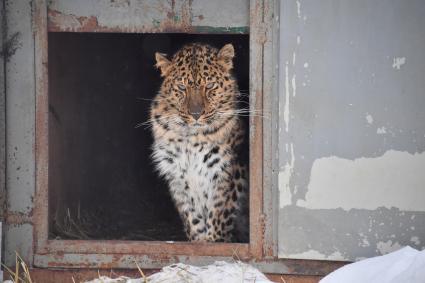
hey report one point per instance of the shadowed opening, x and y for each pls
(102, 183)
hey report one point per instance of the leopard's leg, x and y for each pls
(221, 214)
(193, 220)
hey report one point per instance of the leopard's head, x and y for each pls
(198, 89)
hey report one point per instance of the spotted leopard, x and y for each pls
(197, 138)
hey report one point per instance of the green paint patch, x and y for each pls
(156, 23)
(229, 30)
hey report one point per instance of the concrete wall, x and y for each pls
(352, 128)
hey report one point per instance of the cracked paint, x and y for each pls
(369, 119)
(398, 62)
(381, 130)
(286, 108)
(356, 187)
(285, 180)
(394, 179)
(388, 246)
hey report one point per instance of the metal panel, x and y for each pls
(257, 38)
(3, 58)
(109, 254)
(270, 124)
(20, 103)
(352, 131)
(87, 253)
(146, 16)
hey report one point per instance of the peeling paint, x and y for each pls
(388, 247)
(394, 179)
(298, 9)
(286, 108)
(398, 62)
(294, 85)
(369, 119)
(353, 234)
(415, 240)
(356, 125)
(147, 17)
(316, 254)
(381, 131)
(285, 180)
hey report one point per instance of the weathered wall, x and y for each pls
(2, 113)
(352, 128)
(149, 16)
(20, 106)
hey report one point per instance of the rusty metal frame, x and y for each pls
(155, 254)
(262, 249)
(177, 17)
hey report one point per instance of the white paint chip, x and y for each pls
(284, 180)
(306, 65)
(313, 254)
(286, 108)
(369, 118)
(395, 179)
(381, 131)
(415, 240)
(298, 9)
(388, 247)
(398, 62)
(294, 85)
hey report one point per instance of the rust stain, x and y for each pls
(174, 22)
(41, 126)
(158, 250)
(89, 23)
(65, 22)
(293, 278)
(18, 218)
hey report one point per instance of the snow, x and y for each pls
(219, 271)
(404, 265)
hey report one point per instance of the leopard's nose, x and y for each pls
(196, 115)
(195, 106)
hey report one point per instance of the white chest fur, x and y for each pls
(192, 170)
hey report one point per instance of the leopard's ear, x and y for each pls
(162, 63)
(225, 56)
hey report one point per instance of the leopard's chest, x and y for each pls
(195, 164)
(193, 168)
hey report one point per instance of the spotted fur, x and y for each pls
(197, 135)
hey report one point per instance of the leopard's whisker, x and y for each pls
(243, 114)
(150, 121)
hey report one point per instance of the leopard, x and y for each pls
(197, 138)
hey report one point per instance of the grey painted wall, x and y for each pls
(2, 113)
(352, 128)
(20, 114)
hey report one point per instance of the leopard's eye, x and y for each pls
(209, 85)
(181, 87)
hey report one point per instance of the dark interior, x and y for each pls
(101, 179)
